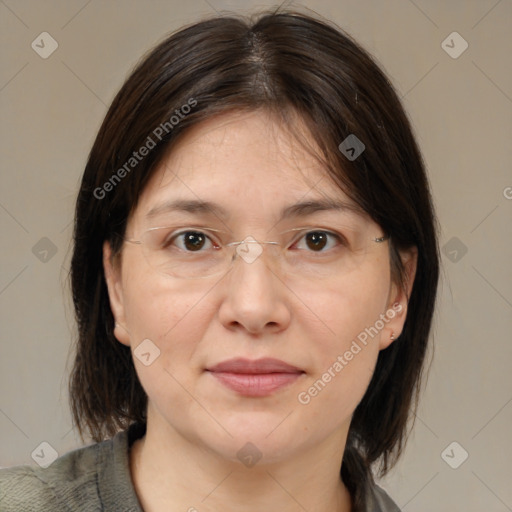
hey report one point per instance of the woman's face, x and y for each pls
(329, 324)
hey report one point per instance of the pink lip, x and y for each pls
(260, 377)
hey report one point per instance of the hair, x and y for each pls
(288, 64)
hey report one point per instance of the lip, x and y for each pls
(256, 366)
(260, 377)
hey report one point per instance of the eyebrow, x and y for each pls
(301, 209)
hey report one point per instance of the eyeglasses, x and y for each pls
(199, 252)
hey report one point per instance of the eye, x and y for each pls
(190, 241)
(318, 240)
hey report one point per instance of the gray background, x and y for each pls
(461, 109)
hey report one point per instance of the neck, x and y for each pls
(173, 473)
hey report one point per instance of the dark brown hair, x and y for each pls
(289, 64)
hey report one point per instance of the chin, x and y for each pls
(254, 440)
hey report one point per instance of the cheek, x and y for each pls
(174, 318)
(170, 313)
(346, 341)
(336, 313)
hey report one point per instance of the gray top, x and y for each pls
(97, 478)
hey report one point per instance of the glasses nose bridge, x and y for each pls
(250, 249)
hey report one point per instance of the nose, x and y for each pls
(255, 297)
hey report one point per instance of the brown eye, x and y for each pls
(316, 240)
(194, 241)
(191, 241)
(319, 241)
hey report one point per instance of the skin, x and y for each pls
(188, 458)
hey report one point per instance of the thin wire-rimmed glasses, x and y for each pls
(198, 252)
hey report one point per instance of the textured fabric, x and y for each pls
(379, 501)
(94, 478)
(97, 478)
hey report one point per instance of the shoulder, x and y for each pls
(69, 478)
(95, 477)
(379, 501)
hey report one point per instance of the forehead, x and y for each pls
(246, 162)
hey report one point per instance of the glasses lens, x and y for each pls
(184, 253)
(318, 254)
(308, 253)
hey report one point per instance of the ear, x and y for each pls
(398, 299)
(112, 271)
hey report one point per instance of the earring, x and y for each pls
(392, 336)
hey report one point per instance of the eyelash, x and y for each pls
(338, 237)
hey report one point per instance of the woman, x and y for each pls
(254, 277)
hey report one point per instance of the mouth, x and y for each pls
(255, 378)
